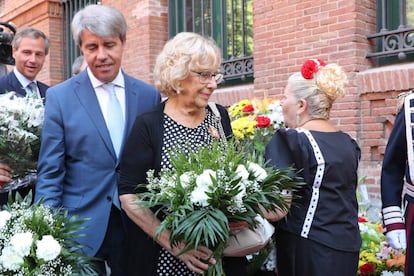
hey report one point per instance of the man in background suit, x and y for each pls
(77, 168)
(30, 48)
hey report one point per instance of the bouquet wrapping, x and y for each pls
(21, 120)
(209, 189)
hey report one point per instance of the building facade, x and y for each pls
(284, 34)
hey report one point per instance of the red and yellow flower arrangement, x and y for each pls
(254, 121)
(376, 256)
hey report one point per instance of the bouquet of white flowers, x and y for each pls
(37, 240)
(21, 120)
(209, 189)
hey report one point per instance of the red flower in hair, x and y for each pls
(310, 67)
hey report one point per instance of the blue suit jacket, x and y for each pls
(77, 167)
(10, 83)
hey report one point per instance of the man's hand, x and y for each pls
(5, 173)
(397, 238)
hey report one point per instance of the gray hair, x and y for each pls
(30, 33)
(77, 65)
(103, 21)
(182, 54)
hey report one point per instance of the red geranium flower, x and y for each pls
(262, 121)
(310, 67)
(248, 108)
(362, 219)
(367, 269)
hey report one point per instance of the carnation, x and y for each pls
(4, 218)
(10, 259)
(21, 243)
(186, 179)
(48, 248)
(258, 171)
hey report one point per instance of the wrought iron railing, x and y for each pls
(229, 22)
(238, 68)
(398, 42)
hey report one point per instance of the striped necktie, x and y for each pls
(32, 91)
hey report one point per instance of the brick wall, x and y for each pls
(379, 89)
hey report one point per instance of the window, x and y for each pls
(394, 39)
(70, 7)
(228, 22)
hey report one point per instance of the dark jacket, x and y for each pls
(10, 83)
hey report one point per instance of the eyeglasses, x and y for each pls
(205, 77)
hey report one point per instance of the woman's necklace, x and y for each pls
(310, 119)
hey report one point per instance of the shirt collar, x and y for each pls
(118, 81)
(22, 79)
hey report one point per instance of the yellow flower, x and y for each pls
(236, 110)
(243, 127)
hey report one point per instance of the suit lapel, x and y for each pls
(87, 97)
(14, 82)
(42, 89)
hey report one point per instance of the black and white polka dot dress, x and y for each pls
(179, 135)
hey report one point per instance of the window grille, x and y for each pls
(394, 40)
(70, 7)
(228, 22)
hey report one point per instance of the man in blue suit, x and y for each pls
(79, 156)
(30, 48)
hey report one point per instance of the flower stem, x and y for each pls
(217, 268)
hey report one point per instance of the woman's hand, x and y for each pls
(5, 173)
(197, 260)
(279, 213)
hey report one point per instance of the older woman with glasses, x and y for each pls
(187, 73)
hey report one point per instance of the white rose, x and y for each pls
(10, 259)
(186, 178)
(21, 243)
(257, 171)
(199, 197)
(204, 179)
(242, 173)
(4, 218)
(239, 197)
(203, 182)
(48, 248)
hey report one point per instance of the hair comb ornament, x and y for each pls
(310, 67)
